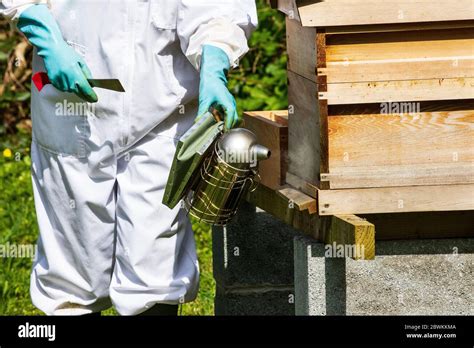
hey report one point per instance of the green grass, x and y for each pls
(18, 226)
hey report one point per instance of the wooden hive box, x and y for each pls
(381, 108)
(271, 129)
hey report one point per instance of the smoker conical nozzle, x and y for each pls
(261, 152)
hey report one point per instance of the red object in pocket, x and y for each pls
(40, 80)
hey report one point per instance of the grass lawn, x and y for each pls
(18, 226)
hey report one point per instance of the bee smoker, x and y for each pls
(227, 173)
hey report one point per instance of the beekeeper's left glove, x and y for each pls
(213, 86)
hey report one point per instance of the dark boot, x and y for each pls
(94, 314)
(161, 309)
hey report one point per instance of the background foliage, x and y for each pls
(258, 84)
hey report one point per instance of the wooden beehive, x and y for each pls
(381, 108)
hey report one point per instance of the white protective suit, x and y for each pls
(99, 172)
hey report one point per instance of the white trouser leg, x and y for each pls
(75, 206)
(155, 257)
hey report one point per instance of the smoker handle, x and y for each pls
(217, 115)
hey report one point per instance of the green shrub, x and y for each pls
(260, 81)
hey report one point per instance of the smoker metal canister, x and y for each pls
(225, 177)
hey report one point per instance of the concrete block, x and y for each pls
(255, 249)
(255, 302)
(416, 277)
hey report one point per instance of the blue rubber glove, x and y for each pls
(213, 86)
(66, 70)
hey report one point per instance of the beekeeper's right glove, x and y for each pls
(66, 70)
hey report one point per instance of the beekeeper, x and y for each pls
(99, 175)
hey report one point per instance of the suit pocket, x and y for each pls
(60, 123)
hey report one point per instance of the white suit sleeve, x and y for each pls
(226, 24)
(12, 9)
